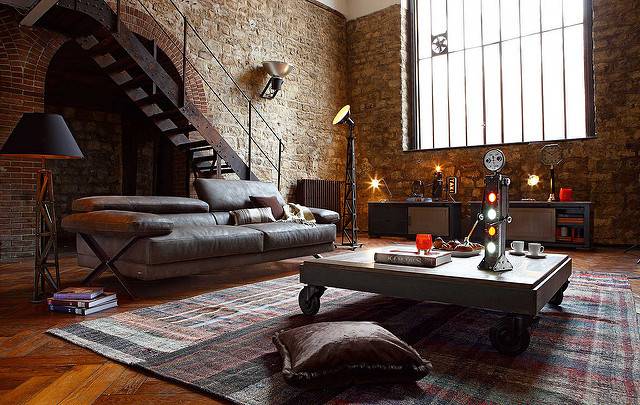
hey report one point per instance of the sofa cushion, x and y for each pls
(112, 222)
(283, 235)
(229, 195)
(324, 216)
(188, 243)
(270, 202)
(252, 216)
(151, 204)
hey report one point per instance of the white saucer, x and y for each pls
(513, 252)
(540, 256)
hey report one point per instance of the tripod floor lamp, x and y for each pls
(43, 136)
(349, 210)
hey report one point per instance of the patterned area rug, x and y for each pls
(588, 351)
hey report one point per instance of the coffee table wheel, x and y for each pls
(559, 296)
(510, 336)
(309, 299)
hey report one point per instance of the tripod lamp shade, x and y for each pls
(343, 115)
(41, 136)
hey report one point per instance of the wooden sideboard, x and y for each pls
(406, 219)
(559, 224)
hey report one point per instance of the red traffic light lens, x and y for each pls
(492, 197)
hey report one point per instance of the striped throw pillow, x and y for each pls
(252, 216)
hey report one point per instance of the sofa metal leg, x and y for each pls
(107, 262)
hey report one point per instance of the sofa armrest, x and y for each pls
(324, 216)
(117, 223)
(150, 204)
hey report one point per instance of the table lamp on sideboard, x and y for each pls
(43, 136)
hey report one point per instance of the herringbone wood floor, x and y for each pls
(36, 368)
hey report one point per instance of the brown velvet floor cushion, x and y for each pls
(271, 202)
(345, 353)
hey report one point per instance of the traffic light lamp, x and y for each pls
(495, 214)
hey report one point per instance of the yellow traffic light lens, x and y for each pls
(492, 197)
(491, 247)
(492, 231)
(492, 214)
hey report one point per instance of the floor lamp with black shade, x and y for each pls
(43, 136)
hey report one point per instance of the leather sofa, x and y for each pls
(175, 236)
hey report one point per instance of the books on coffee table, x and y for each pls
(411, 257)
(81, 306)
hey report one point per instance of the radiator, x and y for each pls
(320, 193)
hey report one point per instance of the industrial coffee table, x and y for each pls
(519, 293)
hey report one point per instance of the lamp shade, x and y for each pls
(41, 136)
(343, 115)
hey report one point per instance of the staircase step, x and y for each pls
(137, 81)
(103, 47)
(206, 158)
(200, 148)
(183, 130)
(121, 65)
(152, 99)
(165, 115)
(213, 172)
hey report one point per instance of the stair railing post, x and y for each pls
(183, 89)
(250, 141)
(279, 161)
(117, 27)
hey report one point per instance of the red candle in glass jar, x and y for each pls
(424, 242)
(566, 194)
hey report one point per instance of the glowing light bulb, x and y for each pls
(492, 197)
(375, 183)
(438, 168)
(492, 231)
(491, 247)
(533, 180)
(492, 214)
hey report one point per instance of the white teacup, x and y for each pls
(517, 246)
(535, 249)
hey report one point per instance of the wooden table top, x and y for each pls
(527, 273)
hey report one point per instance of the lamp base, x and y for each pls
(46, 238)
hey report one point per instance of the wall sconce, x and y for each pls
(277, 71)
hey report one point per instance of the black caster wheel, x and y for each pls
(510, 336)
(309, 299)
(559, 296)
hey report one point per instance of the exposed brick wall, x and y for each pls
(605, 170)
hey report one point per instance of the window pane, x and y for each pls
(509, 21)
(438, 17)
(574, 68)
(440, 100)
(490, 21)
(511, 101)
(532, 89)
(551, 14)
(472, 27)
(423, 9)
(475, 130)
(424, 71)
(456, 99)
(493, 100)
(573, 11)
(553, 85)
(530, 16)
(456, 34)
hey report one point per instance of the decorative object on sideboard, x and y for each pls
(278, 71)
(43, 136)
(452, 187)
(551, 155)
(375, 185)
(349, 210)
(495, 213)
(437, 185)
(417, 192)
(532, 181)
(566, 194)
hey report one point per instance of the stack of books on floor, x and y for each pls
(82, 300)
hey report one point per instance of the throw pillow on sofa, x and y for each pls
(270, 202)
(252, 216)
(331, 354)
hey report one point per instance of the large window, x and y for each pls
(501, 71)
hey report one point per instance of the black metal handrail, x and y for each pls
(251, 107)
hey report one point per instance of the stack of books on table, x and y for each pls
(82, 300)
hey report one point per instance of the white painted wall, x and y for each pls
(353, 9)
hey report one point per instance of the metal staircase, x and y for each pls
(136, 70)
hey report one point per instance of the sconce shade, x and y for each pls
(277, 69)
(343, 115)
(41, 136)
